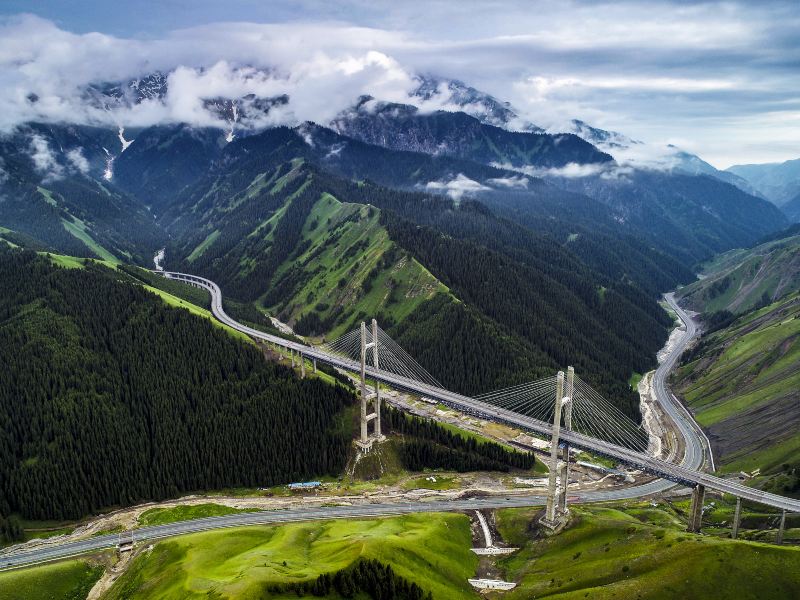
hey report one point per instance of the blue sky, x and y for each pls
(719, 79)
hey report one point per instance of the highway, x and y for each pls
(685, 473)
(45, 553)
(697, 447)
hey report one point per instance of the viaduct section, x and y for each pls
(562, 438)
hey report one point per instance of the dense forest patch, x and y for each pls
(113, 398)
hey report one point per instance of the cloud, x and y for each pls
(457, 187)
(509, 182)
(323, 69)
(720, 73)
(44, 160)
(78, 160)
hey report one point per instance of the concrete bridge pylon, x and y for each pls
(366, 439)
(554, 519)
(567, 409)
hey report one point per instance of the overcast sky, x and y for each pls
(718, 79)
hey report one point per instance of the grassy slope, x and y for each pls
(78, 228)
(162, 516)
(432, 550)
(203, 245)
(68, 580)
(642, 553)
(743, 387)
(736, 280)
(345, 243)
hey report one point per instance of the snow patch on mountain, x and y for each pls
(125, 143)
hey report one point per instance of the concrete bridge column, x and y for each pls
(377, 425)
(779, 537)
(696, 510)
(562, 499)
(302, 366)
(315, 365)
(737, 518)
(549, 519)
(292, 353)
(363, 383)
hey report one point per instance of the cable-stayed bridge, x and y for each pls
(530, 407)
(502, 407)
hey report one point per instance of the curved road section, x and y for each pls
(696, 442)
(685, 473)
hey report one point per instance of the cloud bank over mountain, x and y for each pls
(715, 78)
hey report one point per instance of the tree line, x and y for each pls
(367, 577)
(432, 446)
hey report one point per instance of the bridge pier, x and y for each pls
(779, 537)
(551, 518)
(315, 366)
(737, 519)
(292, 353)
(562, 499)
(302, 366)
(365, 442)
(696, 510)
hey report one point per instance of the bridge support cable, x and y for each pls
(598, 417)
(391, 355)
(587, 411)
(533, 399)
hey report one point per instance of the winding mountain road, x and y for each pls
(693, 459)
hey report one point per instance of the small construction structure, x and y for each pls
(491, 584)
(125, 542)
(305, 485)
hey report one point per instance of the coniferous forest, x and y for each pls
(110, 397)
(429, 445)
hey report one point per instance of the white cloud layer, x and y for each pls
(44, 161)
(722, 74)
(457, 187)
(78, 160)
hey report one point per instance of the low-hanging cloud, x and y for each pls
(518, 181)
(44, 159)
(45, 71)
(457, 187)
(78, 160)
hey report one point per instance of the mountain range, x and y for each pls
(415, 215)
(778, 182)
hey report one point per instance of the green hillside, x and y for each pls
(349, 269)
(743, 384)
(322, 253)
(636, 550)
(431, 550)
(742, 279)
(641, 552)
